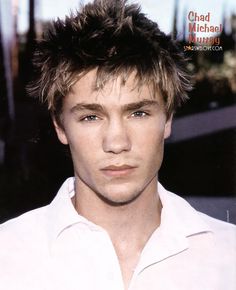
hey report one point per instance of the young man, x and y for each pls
(112, 82)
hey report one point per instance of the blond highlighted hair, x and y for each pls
(116, 39)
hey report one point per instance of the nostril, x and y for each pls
(116, 146)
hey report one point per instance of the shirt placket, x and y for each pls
(109, 268)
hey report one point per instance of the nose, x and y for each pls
(116, 137)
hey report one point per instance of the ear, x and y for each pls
(60, 132)
(168, 124)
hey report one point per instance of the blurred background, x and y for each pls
(200, 156)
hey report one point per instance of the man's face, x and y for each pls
(116, 137)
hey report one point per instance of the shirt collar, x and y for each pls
(178, 218)
(178, 222)
(61, 213)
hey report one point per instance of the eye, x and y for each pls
(89, 118)
(139, 114)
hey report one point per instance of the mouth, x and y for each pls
(114, 170)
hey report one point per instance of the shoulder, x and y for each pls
(225, 232)
(197, 224)
(35, 228)
(23, 229)
(27, 218)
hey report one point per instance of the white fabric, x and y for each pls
(54, 248)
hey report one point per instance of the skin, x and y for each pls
(116, 138)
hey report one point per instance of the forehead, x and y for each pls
(125, 89)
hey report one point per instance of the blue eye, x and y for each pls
(89, 118)
(139, 114)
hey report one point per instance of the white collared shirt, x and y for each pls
(54, 248)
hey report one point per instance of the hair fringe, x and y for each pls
(115, 38)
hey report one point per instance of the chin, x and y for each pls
(118, 198)
(117, 201)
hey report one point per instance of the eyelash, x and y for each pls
(92, 118)
(89, 118)
(139, 114)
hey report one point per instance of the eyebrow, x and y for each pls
(85, 106)
(127, 107)
(141, 104)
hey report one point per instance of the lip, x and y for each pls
(114, 170)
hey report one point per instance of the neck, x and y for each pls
(129, 226)
(130, 223)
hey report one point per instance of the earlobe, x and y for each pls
(60, 132)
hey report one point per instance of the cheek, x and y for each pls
(151, 147)
(83, 148)
(151, 137)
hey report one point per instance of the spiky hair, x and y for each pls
(115, 38)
